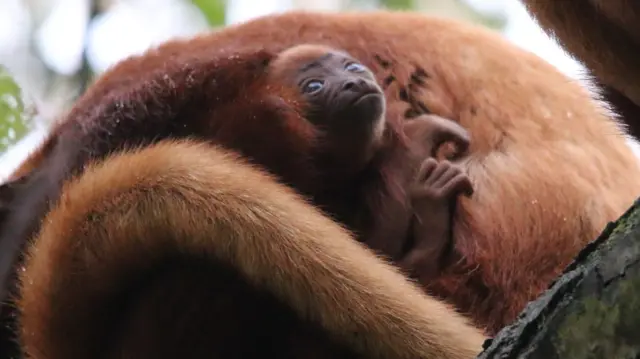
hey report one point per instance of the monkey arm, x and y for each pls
(385, 221)
(434, 195)
(426, 135)
(432, 188)
(168, 214)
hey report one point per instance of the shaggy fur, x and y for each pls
(548, 167)
(198, 97)
(180, 102)
(525, 119)
(242, 265)
(605, 36)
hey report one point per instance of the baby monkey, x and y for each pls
(345, 103)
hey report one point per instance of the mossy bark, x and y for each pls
(591, 311)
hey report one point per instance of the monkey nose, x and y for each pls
(355, 85)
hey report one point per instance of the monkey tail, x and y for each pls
(125, 217)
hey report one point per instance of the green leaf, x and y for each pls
(398, 4)
(213, 10)
(14, 124)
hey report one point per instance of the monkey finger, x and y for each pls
(441, 169)
(426, 169)
(460, 184)
(451, 172)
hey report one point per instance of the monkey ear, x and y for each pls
(266, 56)
(243, 66)
(263, 57)
(288, 106)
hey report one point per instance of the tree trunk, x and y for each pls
(591, 311)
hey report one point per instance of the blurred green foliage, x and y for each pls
(14, 124)
(213, 10)
(398, 4)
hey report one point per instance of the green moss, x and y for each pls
(606, 323)
(626, 224)
(600, 329)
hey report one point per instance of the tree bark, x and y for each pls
(591, 311)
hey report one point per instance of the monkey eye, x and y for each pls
(355, 67)
(313, 86)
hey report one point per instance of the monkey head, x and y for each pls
(342, 99)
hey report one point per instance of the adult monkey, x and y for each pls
(532, 129)
(526, 220)
(605, 36)
(272, 108)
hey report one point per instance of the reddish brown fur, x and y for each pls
(389, 232)
(387, 228)
(548, 167)
(198, 96)
(532, 129)
(434, 191)
(382, 215)
(253, 258)
(171, 101)
(177, 101)
(605, 36)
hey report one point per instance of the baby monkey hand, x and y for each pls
(438, 185)
(434, 191)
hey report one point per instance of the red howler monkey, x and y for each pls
(311, 155)
(549, 169)
(182, 249)
(605, 36)
(548, 166)
(335, 141)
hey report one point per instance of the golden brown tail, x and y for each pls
(131, 217)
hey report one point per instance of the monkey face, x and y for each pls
(342, 95)
(342, 100)
(346, 101)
